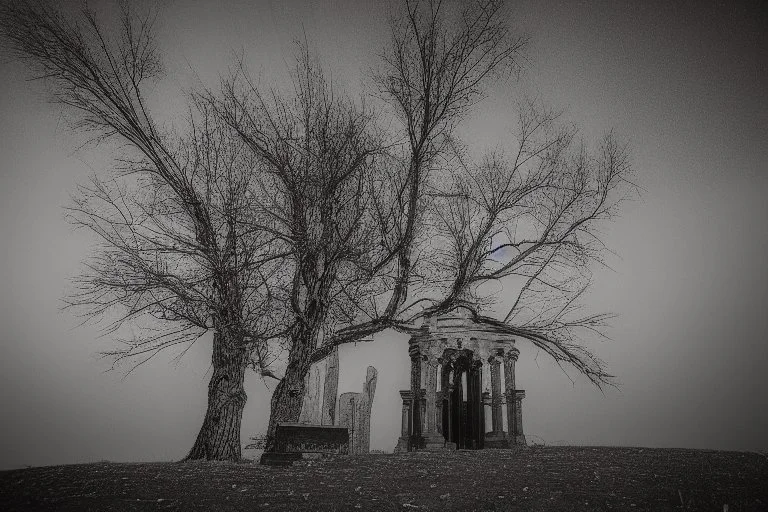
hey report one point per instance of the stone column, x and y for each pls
(477, 415)
(404, 428)
(496, 438)
(447, 384)
(416, 440)
(431, 393)
(509, 383)
(439, 412)
(520, 437)
(433, 440)
(402, 442)
(496, 419)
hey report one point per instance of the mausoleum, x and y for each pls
(458, 371)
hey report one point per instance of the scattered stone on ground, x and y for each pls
(537, 478)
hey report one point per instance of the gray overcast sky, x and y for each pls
(684, 82)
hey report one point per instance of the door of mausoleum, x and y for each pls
(463, 421)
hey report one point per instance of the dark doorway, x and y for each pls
(463, 418)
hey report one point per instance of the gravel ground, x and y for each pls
(538, 478)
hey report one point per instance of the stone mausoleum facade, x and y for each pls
(463, 393)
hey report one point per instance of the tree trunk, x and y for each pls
(289, 394)
(219, 437)
(286, 403)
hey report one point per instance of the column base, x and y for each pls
(435, 442)
(496, 440)
(520, 440)
(402, 444)
(415, 442)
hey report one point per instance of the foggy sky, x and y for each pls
(683, 82)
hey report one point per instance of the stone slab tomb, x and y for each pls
(295, 441)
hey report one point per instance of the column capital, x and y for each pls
(431, 359)
(512, 353)
(449, 356)
(496, 358)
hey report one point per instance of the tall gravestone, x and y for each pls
(355, 413)
(320, 388)
(330, 389)
(310, 407)
(349, 417)
(363, 433)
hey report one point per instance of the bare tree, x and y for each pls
(353, 209)
(176, 258)
(291, 222)
(529, 222)
(322, 157)
(446, 227)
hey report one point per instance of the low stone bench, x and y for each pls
(297, 441)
